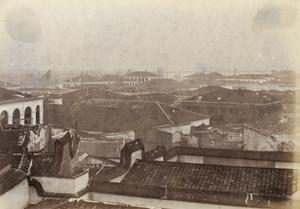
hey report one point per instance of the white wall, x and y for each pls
(81, 182)
(256, 141)
(190, 159)
(136, 155)
(63, 185)
(22, 105)
(16, 198)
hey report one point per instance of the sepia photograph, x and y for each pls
(158, 104)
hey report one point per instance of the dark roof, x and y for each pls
(83, 78)
(6, 160)
(158, 97)
(158, 151)
(108, 174)
(238, 96)
(9, 141)
(228, 179)
(133, 146)
(162, 85)
(117, 116)
(9, 95)
(142, 74)
(10, 179)
(56, 203)
(45, 165)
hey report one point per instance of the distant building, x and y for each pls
(235, 106)
(141, 76)
(7, 85)
(88, 80)
(17, 108)
(247, 78)
(80, 80)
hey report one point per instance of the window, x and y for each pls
(37, 114)
(27, 115)
(4, 118)
(16, 117)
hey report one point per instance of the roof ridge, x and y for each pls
(164, 113)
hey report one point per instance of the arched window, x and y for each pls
(37, 115)
(16, 117)
(27, 115)
(4, 118)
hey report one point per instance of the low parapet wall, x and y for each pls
(63, 185)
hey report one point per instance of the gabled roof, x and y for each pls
(142, 74)
(118, 116)
(269, 182)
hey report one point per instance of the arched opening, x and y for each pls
(27, 115)
(37, 114)
(4, 118)
(16, 117)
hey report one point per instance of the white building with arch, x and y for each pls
(20, 109)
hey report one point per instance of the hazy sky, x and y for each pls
(107, 36)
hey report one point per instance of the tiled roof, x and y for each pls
(50, 165)
(9, 95)
(142, 74)
(229, 179)
(118, 116)
(81, 204)
(9, 141)
(10, 179)
(45, 165)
